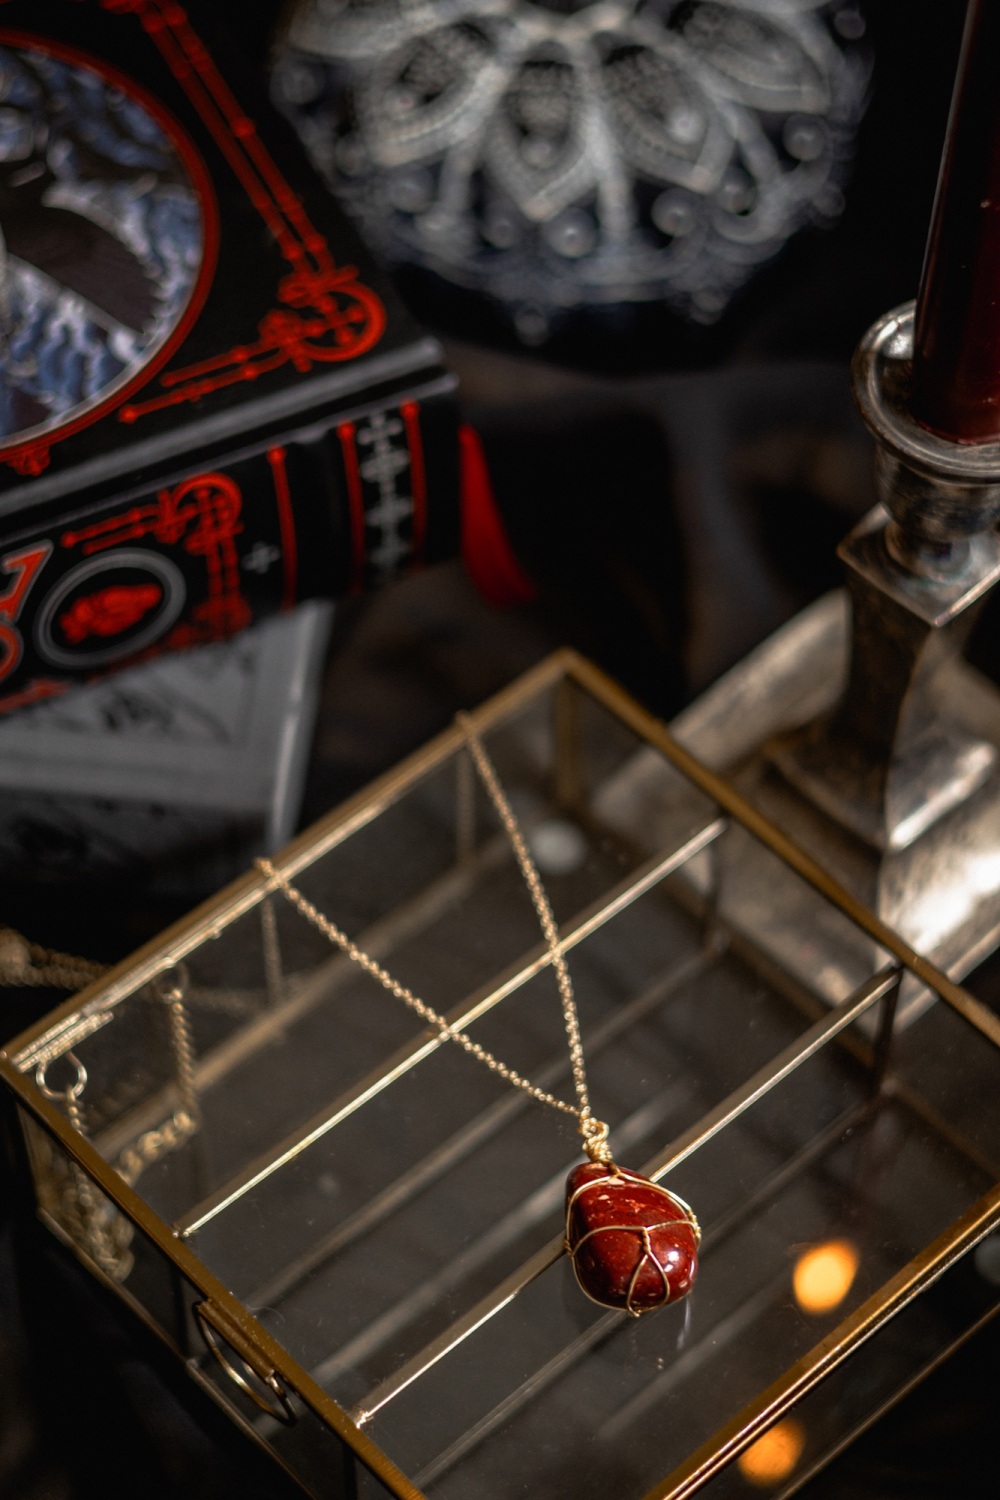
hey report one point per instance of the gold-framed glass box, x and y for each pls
(351, 1231)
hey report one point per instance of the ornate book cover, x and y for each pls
(211, 405)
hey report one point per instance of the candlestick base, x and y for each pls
(939, 890)
(897, 754)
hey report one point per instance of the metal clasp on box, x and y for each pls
(215, 1325)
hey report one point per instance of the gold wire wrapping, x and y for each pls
(615, 1178)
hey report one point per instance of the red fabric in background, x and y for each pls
(486, 551)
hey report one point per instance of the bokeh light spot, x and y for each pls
(773, 1457)
(824, 1275)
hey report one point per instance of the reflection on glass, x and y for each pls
(824, 1275)
(987, 1259)
(773, 1457)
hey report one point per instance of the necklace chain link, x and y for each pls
(594, 1131)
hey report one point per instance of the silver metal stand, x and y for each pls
(893, 786)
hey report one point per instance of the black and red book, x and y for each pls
(211, 404)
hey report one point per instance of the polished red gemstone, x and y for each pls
(633, 1245)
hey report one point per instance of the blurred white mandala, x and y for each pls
(553, 155)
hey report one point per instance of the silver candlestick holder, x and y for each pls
(893, 783)
(858, 728)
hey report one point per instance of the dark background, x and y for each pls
(674, 511)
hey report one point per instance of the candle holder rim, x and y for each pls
(880, 377)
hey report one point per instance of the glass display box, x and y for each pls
(351, 1232)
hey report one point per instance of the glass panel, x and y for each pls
(449, 1115)
(392, 1211)
(399, 1267)
(319, 1460)
(368, 1487)
(281, 1026)
(102, 1235)
(797, 1234)
(947, 1070)
(860, 1388)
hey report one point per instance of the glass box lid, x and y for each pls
(354, 1233)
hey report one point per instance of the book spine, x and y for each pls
(331, 510)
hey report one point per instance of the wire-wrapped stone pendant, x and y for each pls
(633, 1245)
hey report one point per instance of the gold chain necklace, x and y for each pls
(633, 1245)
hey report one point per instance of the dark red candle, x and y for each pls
(956, 362)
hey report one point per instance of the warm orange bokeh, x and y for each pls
(824, 1276)
(773, 1457)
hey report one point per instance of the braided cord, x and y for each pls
(29, 964)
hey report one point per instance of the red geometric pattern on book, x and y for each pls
(202, 515)
(31, 458)
(326, 314)
(109, 611)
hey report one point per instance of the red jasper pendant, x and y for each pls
(633, 1245)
